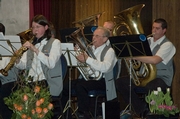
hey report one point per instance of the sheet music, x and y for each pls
(4, 47)
(9, 44)
(15, 41)
(69, 48)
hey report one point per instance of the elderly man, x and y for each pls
(104, 63)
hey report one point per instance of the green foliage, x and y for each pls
(30, 100)
(160, 103)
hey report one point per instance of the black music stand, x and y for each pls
(68, 51)
(129, 46)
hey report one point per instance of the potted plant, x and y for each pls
(161, 105)
(30, 101)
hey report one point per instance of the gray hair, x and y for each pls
(106, 31)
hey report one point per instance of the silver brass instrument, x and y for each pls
(86, 71)
(129, 23)
(18, 54)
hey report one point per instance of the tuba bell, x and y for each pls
(79, 40)
(25, 35)
(128, 22)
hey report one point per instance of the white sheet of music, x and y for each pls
(4, 47)
(69, 48)
(15, 41)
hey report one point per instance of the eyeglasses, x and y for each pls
(97, 36)
(36, 27)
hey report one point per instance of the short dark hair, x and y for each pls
(162, 21)
(2, 28)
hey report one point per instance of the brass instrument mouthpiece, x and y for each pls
(150, 35)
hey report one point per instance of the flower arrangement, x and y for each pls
(30, 101)
(160, 103)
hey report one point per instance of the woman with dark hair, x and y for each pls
(43, 57)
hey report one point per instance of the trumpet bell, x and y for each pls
(25, 35)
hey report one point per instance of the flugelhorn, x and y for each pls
(16, 55)
(83, 47)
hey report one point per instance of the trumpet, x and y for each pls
(15, 56)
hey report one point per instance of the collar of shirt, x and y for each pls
(98, 48)
(153, 44)
(42, 43)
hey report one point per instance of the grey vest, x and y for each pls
(164, 72)
(53, 76)
(109, 78)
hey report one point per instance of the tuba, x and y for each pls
(86, 71)
(128, 22)
(26, 35)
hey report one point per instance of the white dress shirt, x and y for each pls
(47, 59)
(166, 50)
(103, 66)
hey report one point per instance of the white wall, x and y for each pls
(14, 14)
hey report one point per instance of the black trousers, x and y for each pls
(123, 87)
(81, 87)
(5, 91)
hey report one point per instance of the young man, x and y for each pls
(163, 51)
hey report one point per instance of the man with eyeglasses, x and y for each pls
(104, 62)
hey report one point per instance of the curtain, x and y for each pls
(40, 7)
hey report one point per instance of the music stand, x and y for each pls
(8, 44)
(68, 51)
(127, 47)
(5, 49)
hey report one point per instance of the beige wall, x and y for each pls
(14, 14)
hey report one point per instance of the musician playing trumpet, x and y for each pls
(163, 51)
(104, 62)
(42, 58)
